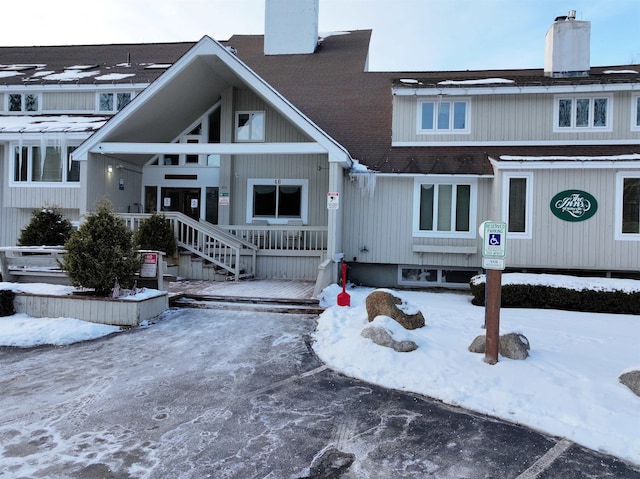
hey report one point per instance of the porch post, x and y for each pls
(335, 217)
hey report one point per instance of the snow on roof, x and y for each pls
(608, 72)
(9, 73)
(50, 124)
(480, 81)
(631, 157)
(114, 76)
(153, 66)
(70, 75)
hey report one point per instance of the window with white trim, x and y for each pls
(33, 164)
(517, 204)
(277, 200)
(582, 113)
(250, 125)
(111, 102)
(443, 116)
(628, 206)
(444, 209)
(635, 113)
(23, 102)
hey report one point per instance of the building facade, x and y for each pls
(310, 159)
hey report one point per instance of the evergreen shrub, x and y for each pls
(550, 297)
(101, 251)
(47, 227)
(156, 233)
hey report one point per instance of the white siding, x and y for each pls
(587, 245)
(379, 229)
(69, 101)
(522, 117)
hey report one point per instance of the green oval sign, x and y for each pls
(574, 205)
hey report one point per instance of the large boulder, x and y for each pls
(383, 303)
(511, 345)
(632, 381)
(384, 338)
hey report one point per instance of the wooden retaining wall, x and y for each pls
(114, 311)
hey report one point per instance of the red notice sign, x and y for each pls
(149, 265)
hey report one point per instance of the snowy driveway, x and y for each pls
(207, 393)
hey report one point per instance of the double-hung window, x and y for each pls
(250, 125)
(444, 209)
(583, 113)
(25, 102)
(110, 102)
(517, 204)
(277, 200)
(443, 116)
(628, 206)
(36, 164)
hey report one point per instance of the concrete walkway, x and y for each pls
(269, 289)
(210, 394)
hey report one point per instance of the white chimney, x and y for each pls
(567, 47)
(290, 27)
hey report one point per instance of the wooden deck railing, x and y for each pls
(224, 245)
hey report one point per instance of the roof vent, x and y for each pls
(571, 15)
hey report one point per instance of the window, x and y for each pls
(635, 114)
(582, 113)
(438, 116)
(277, 201)
(113, 102)
(34, 164)
(250, 126)
(628, 206)
(444, 209)
(517, 204)
(22, 102)
(435, 276)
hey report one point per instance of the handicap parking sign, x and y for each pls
(495, 235)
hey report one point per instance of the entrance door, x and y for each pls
(183, 200)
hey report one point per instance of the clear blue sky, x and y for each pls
(407, 34)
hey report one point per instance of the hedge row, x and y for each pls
(6, 303)
(549, 297)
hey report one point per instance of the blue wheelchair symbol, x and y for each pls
(494, 239)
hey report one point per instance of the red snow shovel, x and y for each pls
(343, 298)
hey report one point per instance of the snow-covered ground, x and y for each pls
(568, 386)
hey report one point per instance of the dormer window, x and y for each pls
(250, 126)
(443, 116)
(113, 102)
(23, 102)
(582, 113)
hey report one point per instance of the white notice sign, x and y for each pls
(495, 239)
(333, 201)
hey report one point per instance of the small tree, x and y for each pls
(47, 228)
(156, 233)
(101, 251)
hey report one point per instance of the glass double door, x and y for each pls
(189, 202)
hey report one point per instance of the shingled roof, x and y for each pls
(120, 63)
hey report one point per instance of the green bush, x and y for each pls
(101, 251)
(550, 297)
(47, 228)
(156, 233)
